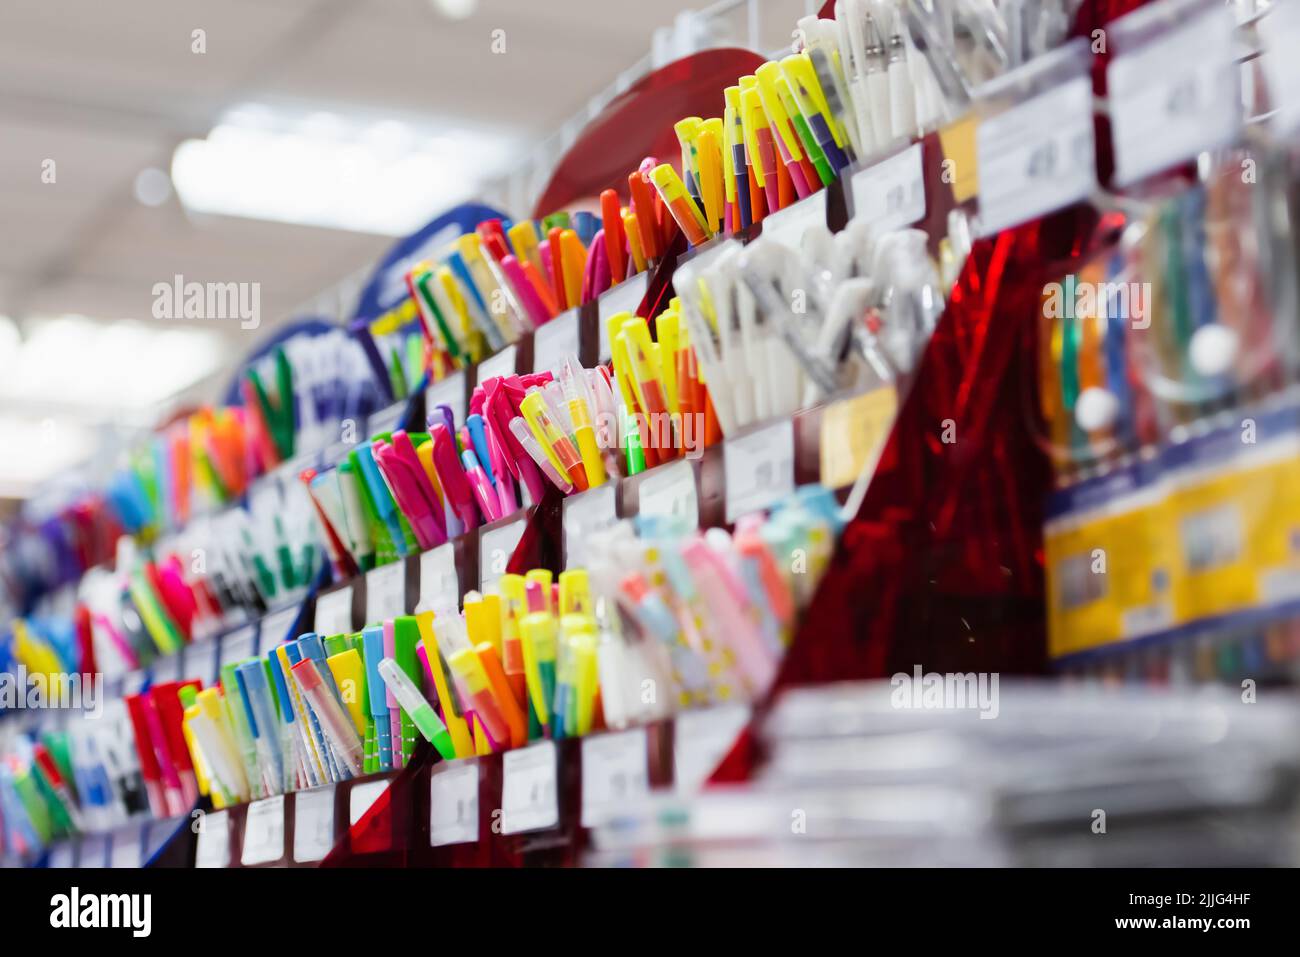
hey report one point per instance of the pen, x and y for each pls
(683, 208)
(342, 736)
(452, 712)
(414, 704)
(373, 643)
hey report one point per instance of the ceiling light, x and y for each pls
(319, 169)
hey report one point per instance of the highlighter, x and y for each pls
(514, 605)
(343, 739)
(573, 256)
(558, 286)
(471, 677)
(683, 209)
(552, 437)
(584, 433)
(709, 147)
(575, 593)
(515, 719)
(634, 248)
(643, 208)
(373, 642)
(452, 715)
(734, 143)
(350, 678)
(414, 704)
(537, 632)
(523, 240)
(611, 214)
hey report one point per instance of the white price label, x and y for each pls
(214, 840)
(889, 194)
(701, 739)
(759, 468)
(127, 848)
(275, 627)
(495, 548)
(1173, 95)
(386, 420)
(555, 340)
(449, 392)
(439, 583)
(614, 772)
(453, 803)
(264, 832)
(585, 514)
(1036, 156)
(503, 363)
(386, 592)
(529, 798)
(313, 824)
(362, 798)
(239, 645)
(789, 225)
(334, 612)
(625, 297)
(669, 490)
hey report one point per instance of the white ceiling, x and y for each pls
(107, 88)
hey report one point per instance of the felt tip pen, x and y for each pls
(338, 728)
(417, 707)
(548, 432)
(373, 645)
(519, 428)
(683, 209)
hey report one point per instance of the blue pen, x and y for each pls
(458, 266)
(372, 643)
(294, 655)
(382, 498)
(478, 436)
(251, 678)
(294, 758)
(586, 225)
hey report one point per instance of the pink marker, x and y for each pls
(394, 709)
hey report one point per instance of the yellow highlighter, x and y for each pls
(452, 713)
(483, 619)
(537, 632)
(542, 577)
(668, 327)
(684, 209)
(769, 76)
(573, 260)
(687, 129)
(633, 232)
(523, 240)
(350, 678)
(575, 593)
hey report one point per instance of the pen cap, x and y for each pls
(350, 679)
(575, 592)
(373, 643)
(542, 577)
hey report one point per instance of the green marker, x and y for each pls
(418, 707)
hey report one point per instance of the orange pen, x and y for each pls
(632, 230)
(643, 207)
(544, 290)
(557, 268)
(505, 697)
(684, 209)
(572, 261)
(611, 215)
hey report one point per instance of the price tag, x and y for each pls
(453, 804)
(386, 592)
(214, 840)
(759, 468)
(264, 831)
(854, 430)
(555, 340)
(584, 515)
(313, 824)
(789, 225)
(503, 363)
(625, 297)
(613, 772)
(62, 856)
(1175, 94)
(495, 548)
(889, 194)
(334, 612)
(276, 626)
(363, 798)
(439, 583)
(125, 851)
(449, 392)
(701, 739)
(529, 799)
(1036, 156)
(669, 490)
(239, 645)
(386, 420)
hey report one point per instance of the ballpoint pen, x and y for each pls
(394, 715)
(373, 644)
(324, 755)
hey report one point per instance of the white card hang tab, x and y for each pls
(449, 392)
(275, 627)
(439, 583)
(362, 798)
(585, 514)
(386, 592)
(495, 548)
(788, 226)
(701, 739)
(759, 468)
(1038, 154)
(890, 194)
(669, 491)
(625, 297)
(1172, 85)
(313, 824)
(529, 796)
(453, 803)
(334, 612)
(614, 772)
(503, 363)
(555, 340)
(386, 420)
(263, 832)
(213, 839)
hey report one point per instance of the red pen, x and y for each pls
(611, 214)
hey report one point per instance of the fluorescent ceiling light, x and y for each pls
(320, 169)
(73, 362)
